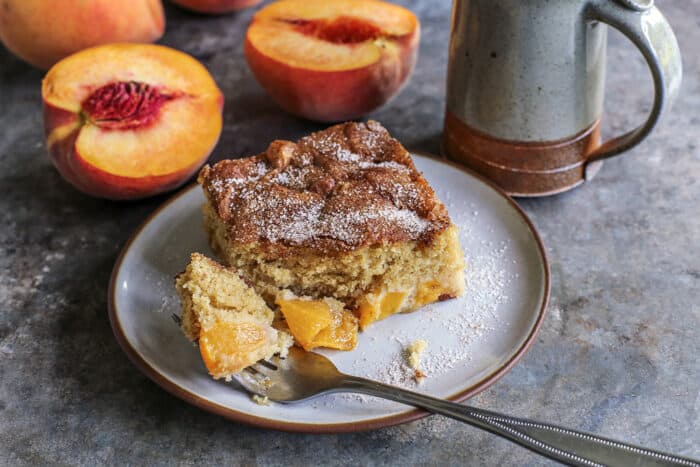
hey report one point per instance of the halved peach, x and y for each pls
(43, 32)
(126, 121)
(216, 6)
(332, 60)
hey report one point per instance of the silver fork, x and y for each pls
(303, 375)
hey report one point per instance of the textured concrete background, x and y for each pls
(618, 353)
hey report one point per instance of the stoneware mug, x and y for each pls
(525, 87)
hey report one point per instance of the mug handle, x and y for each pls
(647, 28)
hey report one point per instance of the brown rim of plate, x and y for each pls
(373, 424)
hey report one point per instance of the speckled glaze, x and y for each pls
(530, 76)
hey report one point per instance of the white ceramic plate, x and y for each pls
(472, 341)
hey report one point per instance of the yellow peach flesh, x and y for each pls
(428, 292)
(227, 347)
(306, 319)
(107, 159)
(282, 42)
(342, 334)
(175, 138)
(276, 34)
(314, 324)
(393, 20)
(332, 61)
(374, 309)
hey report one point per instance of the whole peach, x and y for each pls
(42, 32)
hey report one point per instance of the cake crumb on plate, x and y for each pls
(414, 351)
(261, 400)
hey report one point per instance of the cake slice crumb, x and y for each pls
(261, 400)
(414, 352)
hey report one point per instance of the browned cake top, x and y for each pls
(336, 190)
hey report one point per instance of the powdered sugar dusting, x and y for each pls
(292, 177)
(464, 325)
(219, 185)
(327, 146)
(343, 155)
(296, 222)
(384, 164)
(344, 226)
(338, 189)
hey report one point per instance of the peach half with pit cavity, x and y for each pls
(126, 121)
(332, 60)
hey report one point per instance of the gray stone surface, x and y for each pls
(618, 353)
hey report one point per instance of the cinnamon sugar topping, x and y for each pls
(348, 186)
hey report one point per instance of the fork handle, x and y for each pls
(561, 444)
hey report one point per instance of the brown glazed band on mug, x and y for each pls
(526, 81)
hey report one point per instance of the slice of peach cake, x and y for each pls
(335, 231)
